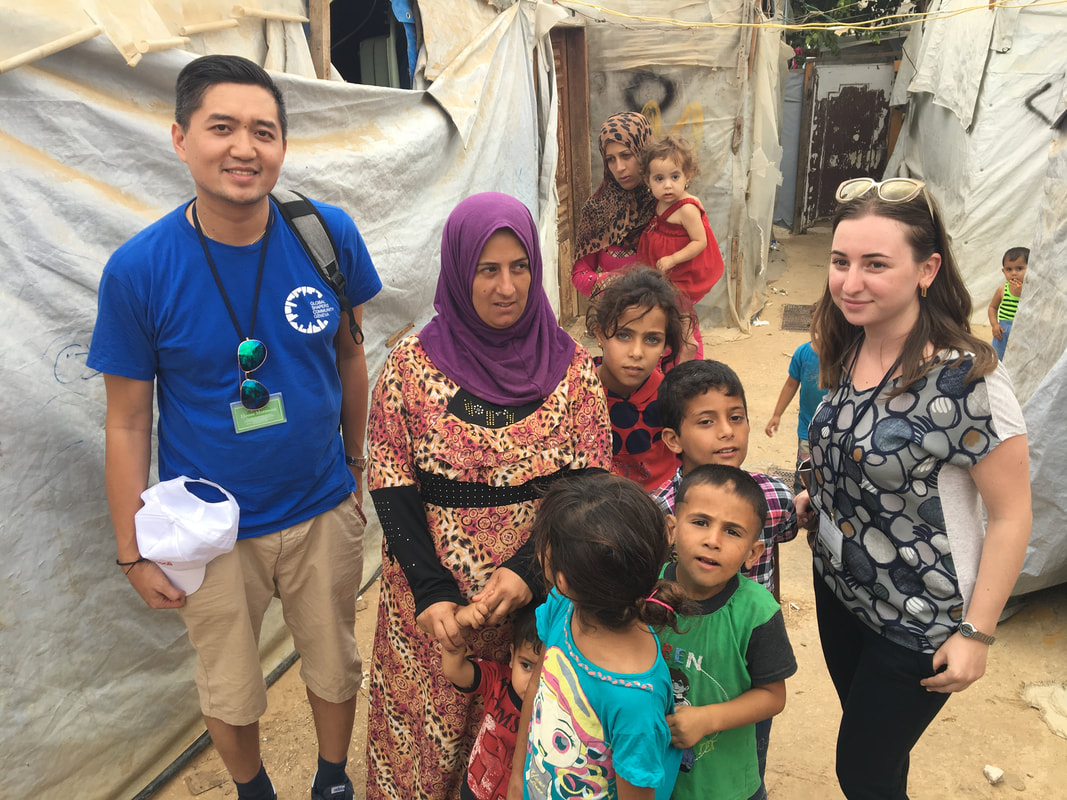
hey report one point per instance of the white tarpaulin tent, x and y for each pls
(981, 91)
(96, 691)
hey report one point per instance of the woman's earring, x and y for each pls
(923, 291)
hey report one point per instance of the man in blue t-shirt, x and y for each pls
(218, 308)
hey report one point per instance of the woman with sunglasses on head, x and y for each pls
(920, 423)
(489, 403)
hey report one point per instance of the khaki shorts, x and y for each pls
(315, 568)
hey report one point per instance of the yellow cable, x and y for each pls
(876, 24)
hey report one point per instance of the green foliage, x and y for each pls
(838, 12)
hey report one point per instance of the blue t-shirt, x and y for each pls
(804, 368)
(589, 725)
(161, 316)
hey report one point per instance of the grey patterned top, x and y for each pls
(889, 473)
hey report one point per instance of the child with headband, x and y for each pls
(594, 718)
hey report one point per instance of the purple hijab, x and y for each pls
(512, 366)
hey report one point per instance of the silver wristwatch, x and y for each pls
(969, 631)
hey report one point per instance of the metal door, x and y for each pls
(848, 106)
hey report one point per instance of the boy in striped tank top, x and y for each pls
(1006, 298)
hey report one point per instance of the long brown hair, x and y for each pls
(944, 314)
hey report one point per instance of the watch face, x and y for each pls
(967, 629)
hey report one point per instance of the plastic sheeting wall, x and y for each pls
(986, 177)
(1002, 182)
(97, 693)
(1037, 355)
(699, 83)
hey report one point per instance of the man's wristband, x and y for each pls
(129, 565)
(359, 463)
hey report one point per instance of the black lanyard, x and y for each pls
(218, 280)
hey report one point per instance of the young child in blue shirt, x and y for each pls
(732, 657)
(594, 719)
(803, 375)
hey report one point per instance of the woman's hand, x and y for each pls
(439, 621)
(964, 661)
(504, 593)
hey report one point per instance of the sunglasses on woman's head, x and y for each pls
(251, 353)
(891, 190)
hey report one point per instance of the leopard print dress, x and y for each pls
(420, 728)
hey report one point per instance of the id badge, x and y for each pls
(831, 537)
(273, 413)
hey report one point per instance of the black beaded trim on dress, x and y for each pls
(445, 493)
(484, 414)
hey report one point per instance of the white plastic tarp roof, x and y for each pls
(96, 694)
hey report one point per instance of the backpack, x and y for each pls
(310, 228)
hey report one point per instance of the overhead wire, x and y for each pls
(876, 24)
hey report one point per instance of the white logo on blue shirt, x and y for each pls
(307, 310)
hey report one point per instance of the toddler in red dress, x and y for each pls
(678, 241)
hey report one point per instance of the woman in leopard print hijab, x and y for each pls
(620, 208)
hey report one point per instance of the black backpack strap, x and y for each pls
(310, 228)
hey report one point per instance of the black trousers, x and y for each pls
(884, 708)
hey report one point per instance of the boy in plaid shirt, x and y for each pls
(705, 421)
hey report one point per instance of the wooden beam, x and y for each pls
(319, 36)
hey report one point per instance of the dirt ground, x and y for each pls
(990, 723)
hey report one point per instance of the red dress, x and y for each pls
(661, 238)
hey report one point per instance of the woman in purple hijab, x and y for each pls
(470, 418)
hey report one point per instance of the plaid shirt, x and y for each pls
(781, 519)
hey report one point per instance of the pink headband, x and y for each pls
(652, 599)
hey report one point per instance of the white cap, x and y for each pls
(182, 533)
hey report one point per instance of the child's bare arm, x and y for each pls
(456, 667)
(789, 389)
(994, 307)
(518, 760)
(625, 790)
(690, 724)
(688, 216)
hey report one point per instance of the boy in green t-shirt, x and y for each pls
(1005, 300)
(731, 662)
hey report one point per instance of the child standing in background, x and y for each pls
(733, 656)
(678, 241)
(594, 720)
(635, 321)
(502, 687)
(803, 375)
(1006, 299)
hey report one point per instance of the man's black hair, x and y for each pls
(200, 75)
